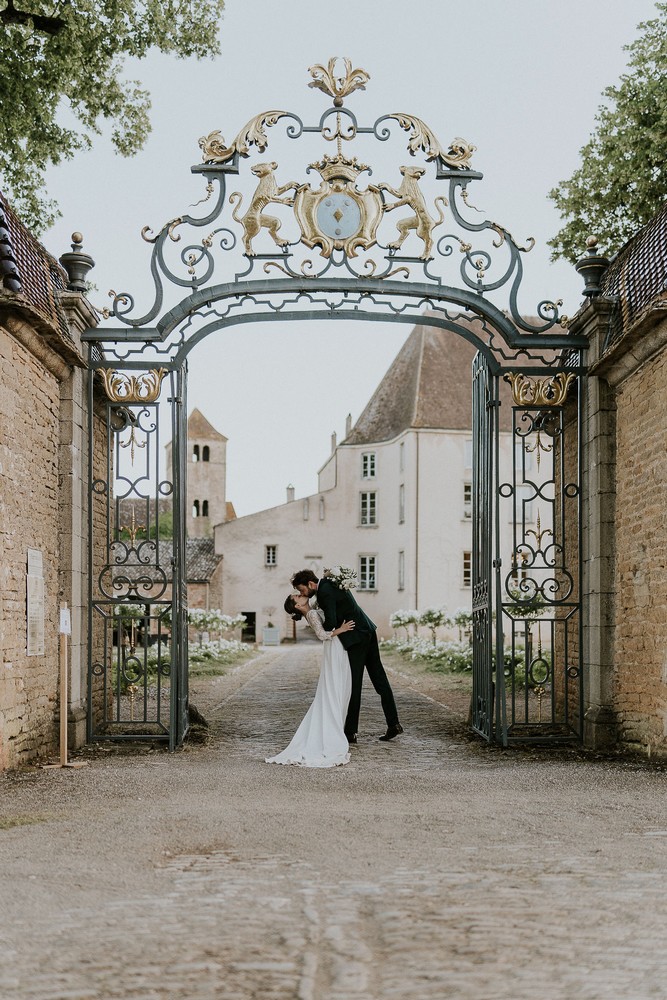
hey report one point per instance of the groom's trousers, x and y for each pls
(367, 654)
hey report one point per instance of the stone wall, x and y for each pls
(43, 493)
(29, 518)
(624, 532)
(640, 662)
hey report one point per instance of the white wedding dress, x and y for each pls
(320, 741)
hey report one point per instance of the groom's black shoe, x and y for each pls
(392, 732)
(351, 738)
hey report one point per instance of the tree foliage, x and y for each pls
(622, 180)
(56, 90)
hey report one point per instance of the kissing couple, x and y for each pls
(349, 643)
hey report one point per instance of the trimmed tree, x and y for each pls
(622, 180)
(61, 77)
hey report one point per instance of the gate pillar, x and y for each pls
(598, 418)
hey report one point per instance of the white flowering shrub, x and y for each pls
(448, 656)
(433, 619)
(462, 621)
(403, 619)
(218, 649)
(213, 620)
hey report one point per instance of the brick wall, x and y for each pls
(640, 662)
(29, 518)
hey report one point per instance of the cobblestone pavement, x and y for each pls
(432, 867)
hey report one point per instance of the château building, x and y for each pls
(393, 499)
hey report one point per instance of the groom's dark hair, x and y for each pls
(303, 578)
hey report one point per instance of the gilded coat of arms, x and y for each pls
(338, 216)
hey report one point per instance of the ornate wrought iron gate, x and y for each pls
(312, 261)
(540, 589)
(484, 479)
(138, 678)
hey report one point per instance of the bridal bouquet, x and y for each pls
(342, 576)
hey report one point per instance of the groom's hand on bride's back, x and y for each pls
(345, 627)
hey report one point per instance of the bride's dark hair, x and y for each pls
(291, 608)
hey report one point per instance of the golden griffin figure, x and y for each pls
(266, 192)
(421, 222)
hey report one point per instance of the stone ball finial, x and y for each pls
(77, 241)
(591, 242)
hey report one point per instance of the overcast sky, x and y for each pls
(521, 79)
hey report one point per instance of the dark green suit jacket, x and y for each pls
(340, 606)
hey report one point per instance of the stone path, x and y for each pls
(427, 868)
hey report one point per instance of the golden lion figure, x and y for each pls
(254, 220)
(409, 193)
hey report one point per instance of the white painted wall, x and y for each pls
(324, 529)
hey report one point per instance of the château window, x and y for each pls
(467, 500)
(401, 504)
(204, 508)
(367, 572)
(368, 509)
(368, 465)
(270, 555)
(401, 457)
(195, 509)
(321, 508)
(467, 454)
(401, 570)
(467, 569)
(195, 453)
(306, 509)
(205, 453)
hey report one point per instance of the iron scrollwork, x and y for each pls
(123, 388)
(341, 221)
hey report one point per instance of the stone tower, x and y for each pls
(207, 477)
(206, 503)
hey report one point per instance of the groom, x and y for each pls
(361, 644)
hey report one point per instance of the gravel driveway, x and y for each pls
(431, 867)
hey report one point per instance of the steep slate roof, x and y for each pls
(201, 561)
(429, 384)
(199, 427)
(29, 271)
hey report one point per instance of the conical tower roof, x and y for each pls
(200, 427)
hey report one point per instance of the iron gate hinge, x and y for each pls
(497, 563)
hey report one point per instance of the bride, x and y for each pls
(320, 741)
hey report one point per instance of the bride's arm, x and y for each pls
(315, 623)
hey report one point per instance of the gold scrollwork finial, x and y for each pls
(423, 138)
(214, 150)
(530, 391)
(123, 388)
(337, 86)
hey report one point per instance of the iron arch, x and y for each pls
(319, 259)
